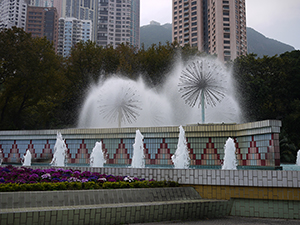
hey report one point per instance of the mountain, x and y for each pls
(261, 45)
(257, 42)
(153, 34)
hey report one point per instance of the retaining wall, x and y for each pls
(257, 144)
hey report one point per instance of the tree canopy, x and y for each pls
(41, 90)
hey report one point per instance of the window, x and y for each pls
(225, 19)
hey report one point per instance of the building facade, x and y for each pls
(41, 3)
(118, 22)
(13, 13)
(71, 31)
(135, 23)
(213, 26)
(43, 21)
(79, 9)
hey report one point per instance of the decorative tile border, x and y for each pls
(257, 144)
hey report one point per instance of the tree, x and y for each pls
(31, 82)
(268, 89)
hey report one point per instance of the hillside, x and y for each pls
(261, 45)
(155, 34)
(257, 42)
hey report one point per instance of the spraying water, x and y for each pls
(181, 158)
(60, 151)
(138, 158)
(97, 158)
(122, 102)
(298, 158)
(27, 158)
(230, 162)
(1, 159)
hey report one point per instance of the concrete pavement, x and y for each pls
(229, 220)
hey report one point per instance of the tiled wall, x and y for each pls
(257, 144)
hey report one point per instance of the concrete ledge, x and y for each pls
(117, 206)
(118, 214)
(31, 199)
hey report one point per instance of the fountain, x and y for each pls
(97, 158)
(181, 158)
(298, 158)
(119, 101)
(1, 159)
(27, 159)
(138, 158)
(230, 162)
(60, 150)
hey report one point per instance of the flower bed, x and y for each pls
(27, 179)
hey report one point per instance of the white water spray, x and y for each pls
(298, 158)
(60, 151)
(153, 107)
(181, 158)
(230, 162)
(97, 158)
(27, 158)
(138, 158)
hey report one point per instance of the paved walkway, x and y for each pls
(230, 220)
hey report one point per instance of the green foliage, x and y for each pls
(31, 80)
(43, 186)
(268, 88)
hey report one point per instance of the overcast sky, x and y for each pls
(276, 19)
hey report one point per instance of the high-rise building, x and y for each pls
(135, 23)
(71, 31)
(118, 22)
(41, 3)
(80, 9)
(13, 13)
(213, 26)
(42, 21)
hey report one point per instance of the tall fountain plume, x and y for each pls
(97, 158)
(138, 158)
(60, 151)
(27, 159)
(230, 162)
(116, 101)
(1, 159)
(298, 158)
(181, 158)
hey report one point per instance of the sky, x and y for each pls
(275, 19)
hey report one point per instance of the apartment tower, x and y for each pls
(43, 22)
(71, 31)
(79, 9)
(13, 13)
(118, 22)
(217, 27)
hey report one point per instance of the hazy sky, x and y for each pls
(276, 19)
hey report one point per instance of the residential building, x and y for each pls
(80, 9)
(135, 23)
(13, 13)
(213, 26)
(118, 22)
(43, 21)
(41, 3)
(71, 31)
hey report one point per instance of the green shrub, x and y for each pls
(43, 186)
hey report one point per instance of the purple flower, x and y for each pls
(56, 180)
(33, 176)
(2, 180)
(46, 176)
(83, 180)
